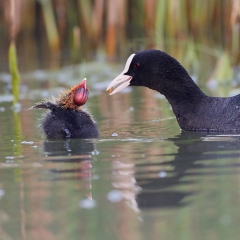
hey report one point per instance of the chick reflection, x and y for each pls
(75, 151)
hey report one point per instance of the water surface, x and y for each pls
(143, 178)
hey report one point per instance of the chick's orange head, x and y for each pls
(81, 93)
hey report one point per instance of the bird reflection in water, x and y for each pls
(164, 181)
(167, 188)
(75, 151)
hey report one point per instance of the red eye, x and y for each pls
(136, 65)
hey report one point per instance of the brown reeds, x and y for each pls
(149, 7)
(115, 26)
(51, 26)
(91, 20)
(105, 23)
(235, 27)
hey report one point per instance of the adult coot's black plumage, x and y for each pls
(193, 109)
(66, 118)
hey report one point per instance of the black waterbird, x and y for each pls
(194, 110)
(66, 118)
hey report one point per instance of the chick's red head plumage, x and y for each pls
(75, 97)
(80, 93)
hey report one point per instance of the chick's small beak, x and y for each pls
(83, 84)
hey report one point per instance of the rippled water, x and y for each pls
(141, 179)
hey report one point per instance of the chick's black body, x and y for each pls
(194, 110)
(66, 118)
(67, 123)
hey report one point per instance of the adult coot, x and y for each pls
(66, 118)
(194, 110)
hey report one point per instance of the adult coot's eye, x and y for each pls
(136, 65)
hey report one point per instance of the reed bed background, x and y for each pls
(50, 33)
(79, 28)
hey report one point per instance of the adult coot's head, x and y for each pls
(154, 69)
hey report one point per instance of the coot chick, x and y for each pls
(66, 118)
(194, 110)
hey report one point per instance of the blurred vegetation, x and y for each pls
(72, 30)
(13, 20)
(14, 72)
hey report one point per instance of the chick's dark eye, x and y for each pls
(136, 65)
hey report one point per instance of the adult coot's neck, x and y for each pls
(179, 89)
(170, 79)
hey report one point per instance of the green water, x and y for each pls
(141, 179)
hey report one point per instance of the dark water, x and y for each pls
(141, 179)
